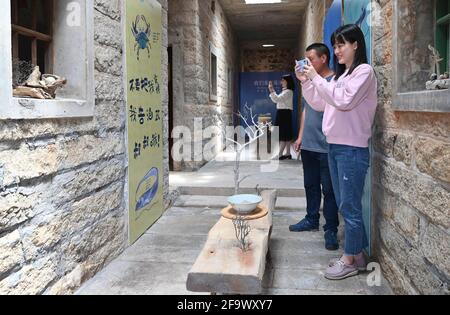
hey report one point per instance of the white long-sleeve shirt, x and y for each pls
(285, 100)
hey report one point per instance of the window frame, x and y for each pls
(442, 37)
(33, 33)
(75, 45)
(213, 75)
(417, 101)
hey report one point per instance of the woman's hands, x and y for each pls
(308, 72)
(271, 89)
(300, 75)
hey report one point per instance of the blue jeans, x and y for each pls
(316, 173)
(348, 169)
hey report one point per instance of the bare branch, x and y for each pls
(224, 134)
(240, 147)
(242, 230)
(243, 178)
(254, 132)
(245, 121)
(253, 122)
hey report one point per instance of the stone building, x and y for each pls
(200, 39)
(63, 169)
(411, 191)
(64, 164)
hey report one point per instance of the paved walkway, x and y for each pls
(285, 176)
(159, 262)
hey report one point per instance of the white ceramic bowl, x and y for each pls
(244, 204)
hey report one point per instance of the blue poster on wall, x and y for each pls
(254, 94)
(359, 12)
(332, 21)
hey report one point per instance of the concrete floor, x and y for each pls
(159, 262)
(285, 176)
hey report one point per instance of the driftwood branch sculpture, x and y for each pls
(39, 86)
(254, 131)
(242, 230)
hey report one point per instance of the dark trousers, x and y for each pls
(317, 181)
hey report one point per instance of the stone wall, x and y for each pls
(270, 59)
(168, 196)
(411, 184)
(192, 28)
(312, 29)
(63, 213)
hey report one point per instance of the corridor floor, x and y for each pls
(159, 262)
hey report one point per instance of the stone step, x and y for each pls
(218, 202)
(229, 191)
(291, 203)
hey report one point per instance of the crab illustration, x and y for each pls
(141, 31)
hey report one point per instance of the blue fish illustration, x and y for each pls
(149, 185)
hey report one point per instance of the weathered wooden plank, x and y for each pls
(222, 267)
(31, 33)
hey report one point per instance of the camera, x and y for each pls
(302, 63)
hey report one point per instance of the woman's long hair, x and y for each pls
(349, 33)
(290, 82)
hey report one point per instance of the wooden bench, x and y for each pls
(222, 267)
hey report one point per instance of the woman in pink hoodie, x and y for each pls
(349, 102)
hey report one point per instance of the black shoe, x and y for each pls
(331, 241)
(286, 157)
(304, 226)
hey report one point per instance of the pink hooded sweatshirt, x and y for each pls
(349, 105)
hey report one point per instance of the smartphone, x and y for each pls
(302, 63)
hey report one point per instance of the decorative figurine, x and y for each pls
(435, 60)
(437, 81)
